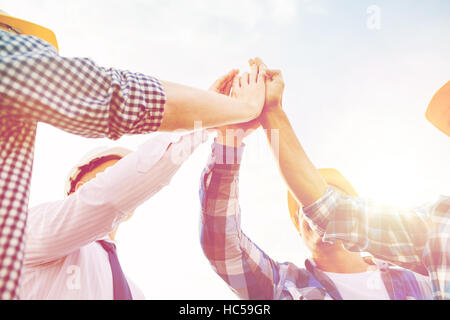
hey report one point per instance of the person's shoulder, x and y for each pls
(441, 207)
(20, 44)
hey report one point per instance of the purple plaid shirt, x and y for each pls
(73, 94)
(418, 240)
(247, 269)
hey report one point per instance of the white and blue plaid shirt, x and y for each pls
(418, 240)
(247, 269)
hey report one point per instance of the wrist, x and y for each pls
(229, 140)
(271, 112)
(226, 155)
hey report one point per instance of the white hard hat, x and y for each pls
(95, 153)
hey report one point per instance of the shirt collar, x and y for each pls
(323, 279)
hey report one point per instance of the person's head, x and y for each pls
(93, 163)
(18, 26)
(311, 239)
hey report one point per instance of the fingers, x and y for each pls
(258, 61)
(261, 67)
(272, 73)
(245, 79)
(262, 73)
(226, 84)
(253, 73)
(227, 89)
(230, 75)
(220, 84)
(275, 74)
(236, 86)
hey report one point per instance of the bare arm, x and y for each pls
(186, 105)
(297, 170)
(83, 98)
(398, 235)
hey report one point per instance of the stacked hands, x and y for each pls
(262, 86)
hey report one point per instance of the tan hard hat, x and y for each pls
(438, 112)
(28, 28)
(334, 179)
(95, 153)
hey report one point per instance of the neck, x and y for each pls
(112, 235)
(338, 260)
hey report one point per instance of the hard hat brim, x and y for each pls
(438, 111)
(29, 28)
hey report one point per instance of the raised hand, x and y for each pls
(274, 84)
(250, 87)
(223, 84)
(246, 87)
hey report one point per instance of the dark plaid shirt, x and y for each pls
(73, 94)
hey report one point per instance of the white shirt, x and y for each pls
(62, 259)
(360, 286)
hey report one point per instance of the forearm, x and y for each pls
(186, 105)
(98, 206)
(232, 255)
(299, 173)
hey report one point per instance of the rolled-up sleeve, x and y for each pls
(390, 233)
(75, 94)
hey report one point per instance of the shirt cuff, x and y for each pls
(318, 212)
(155, 100)
(227, 157)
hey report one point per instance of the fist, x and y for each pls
(274, 84)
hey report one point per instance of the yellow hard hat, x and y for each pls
(28, 28)
(438, 112)
(334, 179)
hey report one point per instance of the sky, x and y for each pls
(359, 76)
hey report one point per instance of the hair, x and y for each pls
(91, 165)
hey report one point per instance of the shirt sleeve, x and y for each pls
(93, 211)
(389, 233)
(424, 283)
(247, 270)
(75, 94)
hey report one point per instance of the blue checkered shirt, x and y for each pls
(248, 270)
(416, 239)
